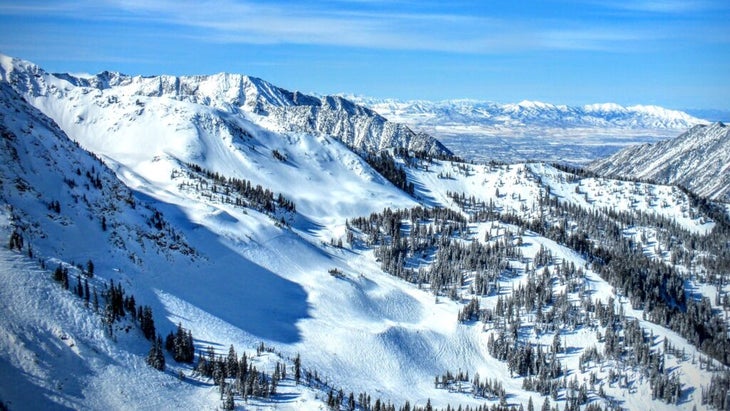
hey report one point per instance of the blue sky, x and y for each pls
(674, 53)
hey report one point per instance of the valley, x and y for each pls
(485, 131)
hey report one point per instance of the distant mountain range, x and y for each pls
(698, 160)
(529, 113)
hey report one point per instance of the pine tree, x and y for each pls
(90, 268)
(351, 402)
(58, 274)
(229, 403)
(96, 301)
(190, 347)
(231, 361)
(79, 288)
(147, 322)
(170, 344)
(156, 358)
(297, 369)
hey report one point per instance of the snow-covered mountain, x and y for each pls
(544, 286)
(529, 131)
(530, 113)
(356, 126)
(698, 160)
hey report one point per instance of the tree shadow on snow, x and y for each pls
(687, 394)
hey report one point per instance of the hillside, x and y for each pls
(556, 288)
(698, 160)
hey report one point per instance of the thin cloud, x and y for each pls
(251, 23)
(272, 23)
(601, 39)
(664, 6)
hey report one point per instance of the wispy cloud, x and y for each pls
(664, 6)
(404, 28)
(606, 39)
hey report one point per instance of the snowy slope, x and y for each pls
(226, 94)
(241, 250)
(516, 188)
(698, 160)
(55, 354)
(236, 275)
(202, 288)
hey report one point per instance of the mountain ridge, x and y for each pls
(528, 114)
(698, 159)
(359, 127)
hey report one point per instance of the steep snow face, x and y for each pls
(358, 127)
(221, 286)
(698, 160)
(53, 185)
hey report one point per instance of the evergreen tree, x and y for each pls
(147, 322)
(231, 360)
(351, 402)
(87, 294)
(229, 403)
(79, 289)
(297, 369)
(96, 301)
(155, 357)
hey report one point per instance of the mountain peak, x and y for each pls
(532, 103)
